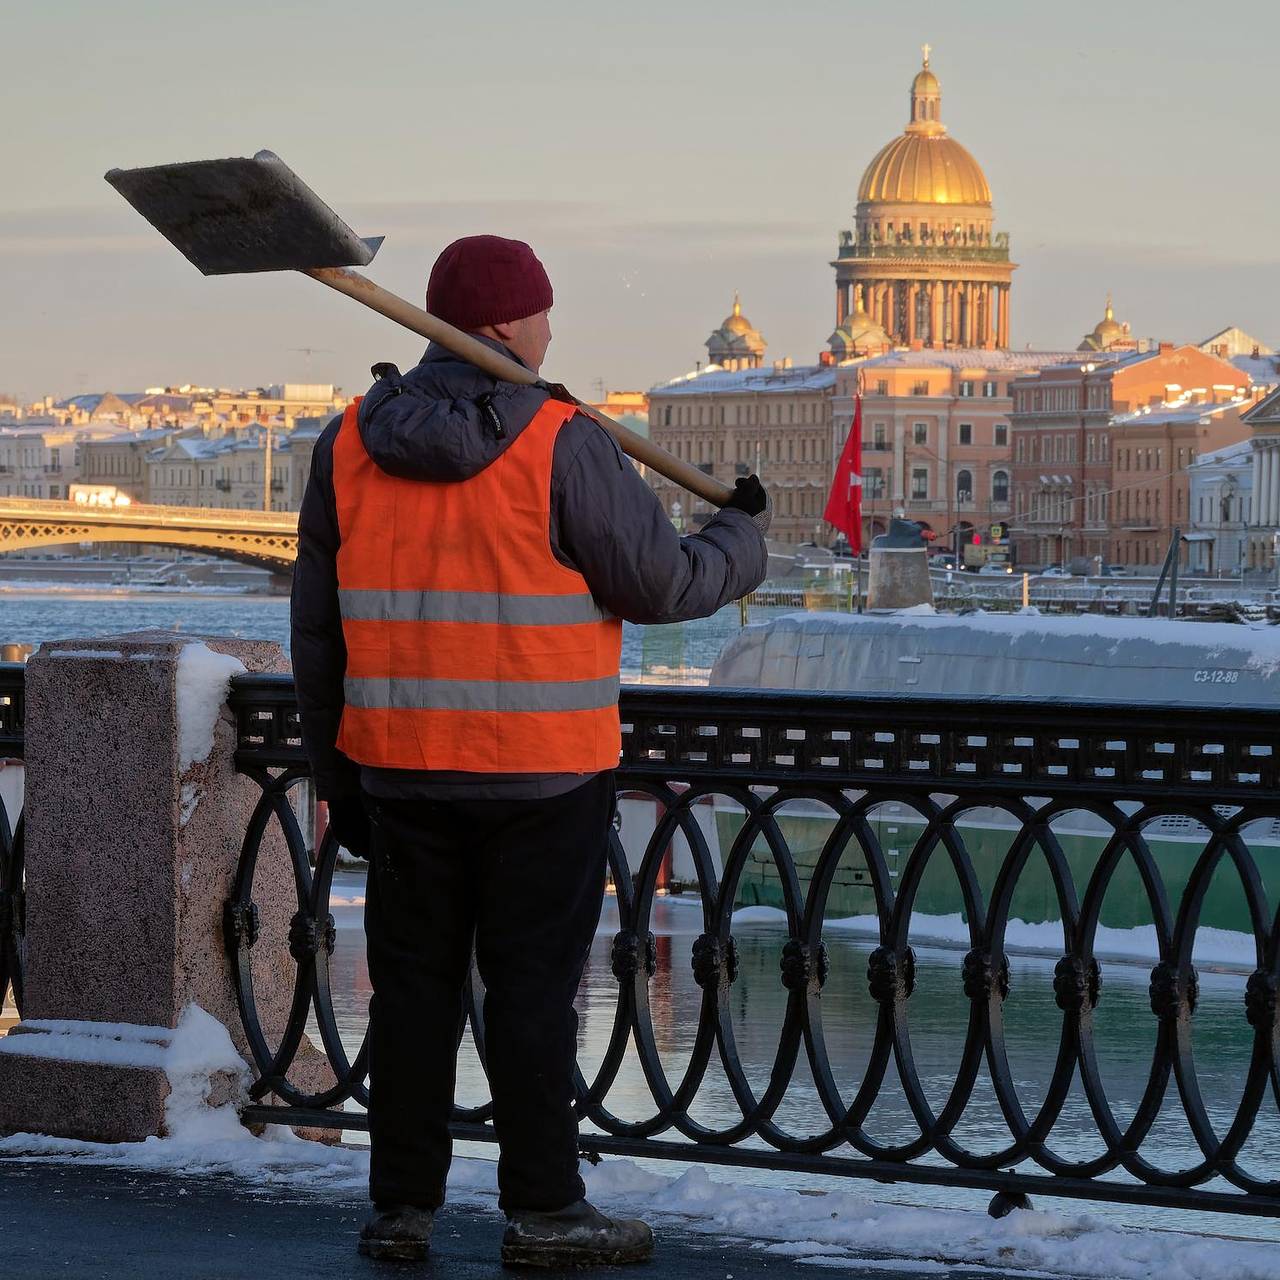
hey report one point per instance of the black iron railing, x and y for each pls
(12, 902)
(756, 754)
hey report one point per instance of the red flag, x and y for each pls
(844, 506)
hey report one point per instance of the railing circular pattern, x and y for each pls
(839, 1139)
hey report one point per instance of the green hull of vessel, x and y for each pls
(1035, 899)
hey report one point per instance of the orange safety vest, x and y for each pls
(470, 647)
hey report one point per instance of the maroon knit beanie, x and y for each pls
(481, 280)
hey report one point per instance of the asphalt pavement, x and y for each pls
(78, 1222)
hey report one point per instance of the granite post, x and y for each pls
(134, 820)
(899, 568)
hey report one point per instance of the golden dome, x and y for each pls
(925, 82)
(924, 166)
(859, 334)
(1107, 332)
(1109, 328)
(736, 322)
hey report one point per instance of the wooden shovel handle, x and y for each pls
(421, 322)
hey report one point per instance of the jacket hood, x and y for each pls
(444, 419)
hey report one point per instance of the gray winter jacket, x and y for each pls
(445, 420)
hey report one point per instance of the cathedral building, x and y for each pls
(923, 264)
(922, 336)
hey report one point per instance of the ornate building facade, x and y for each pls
(923, 263)
(730, 423)
(935, 435)
(1095, 473)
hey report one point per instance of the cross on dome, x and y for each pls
(926, 49)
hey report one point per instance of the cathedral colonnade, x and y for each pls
(933, 313)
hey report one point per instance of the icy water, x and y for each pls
(30, 617)
(1124, 1025)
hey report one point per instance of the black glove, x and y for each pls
(748, 495)
(350, 824)
(751, 497)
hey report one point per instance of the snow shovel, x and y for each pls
(241, 215)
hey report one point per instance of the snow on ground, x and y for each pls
(203, 680)
(826, 1229)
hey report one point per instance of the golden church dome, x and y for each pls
(924, 166)
(925, 82)
(924, 169)
(1107, 332)
(736, 322)
(859, 335)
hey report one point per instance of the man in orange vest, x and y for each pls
(467, 552)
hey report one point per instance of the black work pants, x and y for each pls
(524, 880)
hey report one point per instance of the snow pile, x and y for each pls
(190, 1056)
(199, 1048)
(1212, 946)
(203, 680)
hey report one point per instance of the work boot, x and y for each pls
(576, 1236)
(397, 1232)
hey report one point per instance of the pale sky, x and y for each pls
(657, 157)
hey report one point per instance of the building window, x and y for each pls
(873, 483)
(920, 432)
(920, 389)
(989, 389)
(882, 387)
(1000, 486)
(966, 433)
(878, 441)
(1002, 435)
(966, 388)
(1021, 451)
(964, 486)
(919, 483)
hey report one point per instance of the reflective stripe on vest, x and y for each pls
(468, 606)
(469, 646)
(482, 695)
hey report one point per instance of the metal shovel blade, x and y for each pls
(229, 216)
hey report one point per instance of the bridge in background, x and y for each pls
(265, 539)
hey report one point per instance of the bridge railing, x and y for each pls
(147, 513)
(724, 775)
